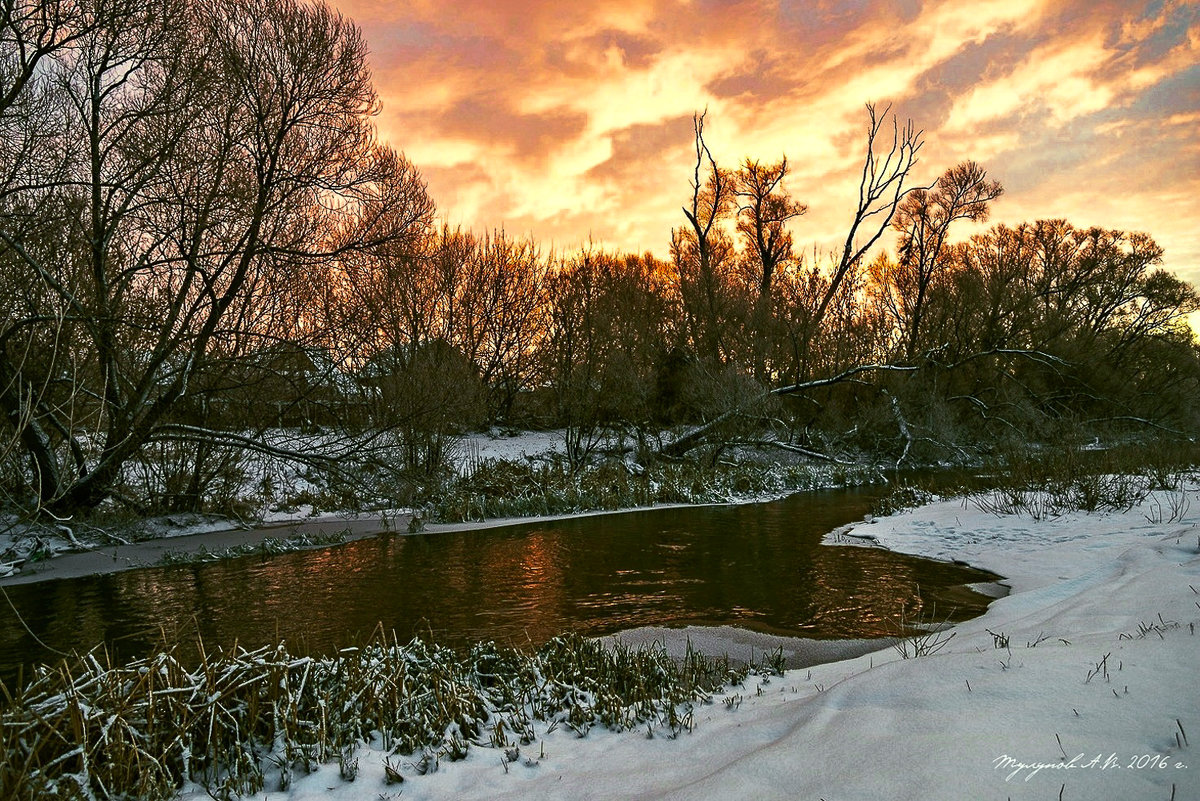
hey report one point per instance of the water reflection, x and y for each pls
(758, 566)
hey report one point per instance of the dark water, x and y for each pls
(757, 566)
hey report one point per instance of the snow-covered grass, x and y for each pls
(1080, 684)
(498, 489)
(271, 546)
(232, 723)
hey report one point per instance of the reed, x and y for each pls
(239, 721)
(1059, 481)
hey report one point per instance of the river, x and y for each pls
(757, 566)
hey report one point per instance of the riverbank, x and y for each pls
(1079, 684)
(497, 481)
(192, 538)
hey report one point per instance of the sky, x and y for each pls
(572, 120)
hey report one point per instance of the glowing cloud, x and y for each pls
(570, 121)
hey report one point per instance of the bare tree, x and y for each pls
(33, 37)
(397, 306)
(881, 190)
(764, 209)
(923, 220)
(33, 32)
(607, 318)
(702, 251)
(228, 149)
(499, 315)
(389, 299)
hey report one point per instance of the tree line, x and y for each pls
(203, 241)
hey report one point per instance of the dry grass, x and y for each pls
(238, 722)
(1066, 480)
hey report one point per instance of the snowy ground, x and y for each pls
(481, 447)
(1092, 698)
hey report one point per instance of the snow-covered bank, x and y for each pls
(194, 542)
(33, 552)
(36, 552)
(175, 543)
(1092, 698)
(30, 553)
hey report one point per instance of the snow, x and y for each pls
(495, 445)
(1091, 699)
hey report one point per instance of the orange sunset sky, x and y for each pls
(572, 119)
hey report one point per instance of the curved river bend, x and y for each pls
(758, 566)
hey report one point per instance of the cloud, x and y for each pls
(518, 135)
(638, 146)
(565, 120)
